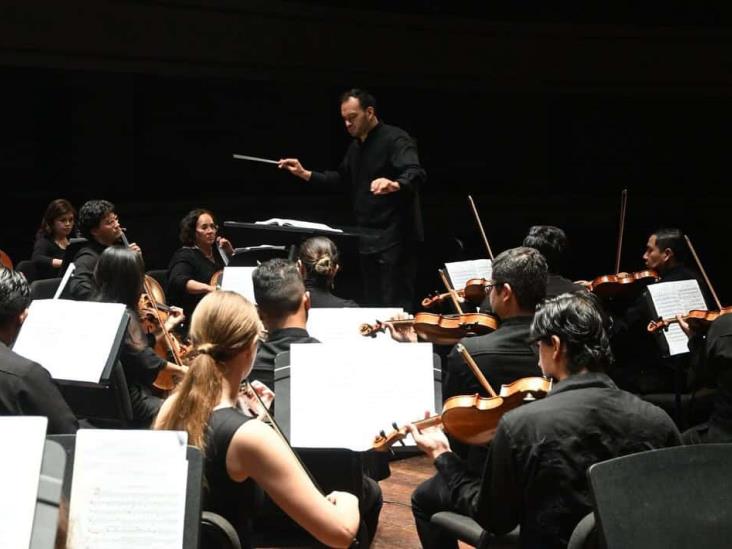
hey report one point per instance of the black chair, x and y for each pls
(673, 497)
(29, 270)
(465, 529)
(217, 532)
(45, 288)
(160, 276)
(584, 535)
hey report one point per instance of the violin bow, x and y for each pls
(623, 208)
(703, 272)
(480, 226)
(271, 420)
(451, 291)
(474, 367)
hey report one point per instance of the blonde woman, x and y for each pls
(243, 454)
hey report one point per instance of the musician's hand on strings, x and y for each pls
(249, 401)
(293, 166)
(225, 245)
(432, 440)
(688, 330)
(135, 248)
(175, 317)
(382, 185)
(403, 333)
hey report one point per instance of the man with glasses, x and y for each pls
(519, 283)
(99, 224)
(534, 474)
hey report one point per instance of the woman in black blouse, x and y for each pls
(192, 266)
(53, 238)
(318, 262)
(119, 276)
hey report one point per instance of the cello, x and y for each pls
(5, 260)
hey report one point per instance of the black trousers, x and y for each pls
(388, 276)
(430, 497)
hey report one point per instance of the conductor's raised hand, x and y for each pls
(382, 185)
(293, 166)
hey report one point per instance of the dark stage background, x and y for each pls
(542, 115)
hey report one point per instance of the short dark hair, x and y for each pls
(526, 271)
(551, 243)
(187, 233)
(365, 99)
(278, 288)
(579, 322)
(119, 276)
(14, 295)
(673, 239)
(319, 257)
(55, 209)
(91, 214)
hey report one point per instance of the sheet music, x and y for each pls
(672, 298)
(334, 325)
(129, 489)
(462, 271)
(71, 339)
(239, 280)
(299, 224)
(360, 402)
(19, 476)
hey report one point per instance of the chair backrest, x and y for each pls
(28, 268)
(45, 288)
(672, 497)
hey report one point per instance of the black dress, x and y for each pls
(45, 250)
(322, 298)
(189, 263)
(235, 501)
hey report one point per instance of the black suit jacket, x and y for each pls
(27, 389)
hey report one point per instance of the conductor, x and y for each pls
(382, 167)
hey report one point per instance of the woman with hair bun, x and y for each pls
(242, 454)
(318, 263)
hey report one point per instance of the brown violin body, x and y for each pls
(621, 284)
(473, 419)
(441, 329)
(697, 319)
(5, 260)
(475, 290)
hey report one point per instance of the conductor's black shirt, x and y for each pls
(387, 152)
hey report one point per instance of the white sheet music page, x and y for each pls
(239, 280)
(672, 298)
(343, 394)
(334, 325)
(71, 339)
(20, 471)
(129, 489)
(299, 224)
(462, 271)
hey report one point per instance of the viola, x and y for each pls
(698, 320)
(473, 419)
(614, 285)
(5, 260)
(440, 329)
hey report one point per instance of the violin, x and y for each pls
(5, 260)
(474, 292)
(473, 419)
(440, 329)
(698, 320)
(437, 298)
(613, 285)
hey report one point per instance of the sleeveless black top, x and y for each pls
(237, 502)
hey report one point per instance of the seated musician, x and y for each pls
(244, 455)
(519, 283)
(99, 224)
(318, 263)
(52, 238)
(639, 367)
(26, 388)
(193, 265)
(552, 244)
(535, 473)
(283, 306)
(119, 275)
(712, 364)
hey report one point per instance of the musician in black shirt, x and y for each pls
(318, 263)
(52, 238)
(382, 166)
